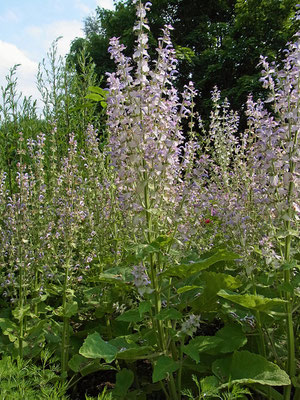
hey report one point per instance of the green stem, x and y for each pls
(153, 271)
(173, 390)
(164, 390)
(180, 369)
(261, 342)
(157, 298)
(65, 333)
(36, 287)
(262, 345)
(291, 361)
(273, 349)
(21, 304)
(297, 394)
(22, 294)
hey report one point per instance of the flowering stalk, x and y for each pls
(145, 148)
(66, 321)
(20, 209)
(285, 94)
(142, 69)
(70, 216)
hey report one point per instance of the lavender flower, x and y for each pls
(141, 279)
(144, 118)
(190, 325)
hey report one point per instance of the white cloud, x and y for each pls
(44, 35)
(9, 16)
(26, 72)
(109, 4)
(69, 30)
(82, 7)
(34, 31)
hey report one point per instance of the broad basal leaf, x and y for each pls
(169, 314)
(95, 347)
(163, 366)
(252, 302)
(201, 344)
(184, 289)
(130, 316)
(95, 366)
(77, 362)
(80, 364)
(244, 367)
(213, 282)
(134, 353)
(196, 265)
(124, 380)
(233, 338)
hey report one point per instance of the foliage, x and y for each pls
(66, 108)
(155, 256)
(25, 381)
(213, 41)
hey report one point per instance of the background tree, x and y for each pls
(217, 42)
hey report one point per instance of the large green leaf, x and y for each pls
(162, 242)
(141, 251)
(70, 309)
(252, 301)
(244, 367)
(124, 380)
(169, 314)
(124, 342)
(201, 344)
(130, 316)
(78, 363)
(193, 266)
(233, 338)
(128, 341)
(112, 278)
(95, 347)
(163, 367)
(202, 368)
(213, 282)
(226, 340)
(187, 288)
(144, 306)
(135, 353)
(95, 366)
(9, 328)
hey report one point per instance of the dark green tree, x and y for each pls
(217, 42)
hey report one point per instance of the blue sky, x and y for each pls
(28, 27)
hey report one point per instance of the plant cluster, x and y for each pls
(169, 262)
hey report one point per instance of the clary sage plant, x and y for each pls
(168, 259)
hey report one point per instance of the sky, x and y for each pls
(28, 27)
